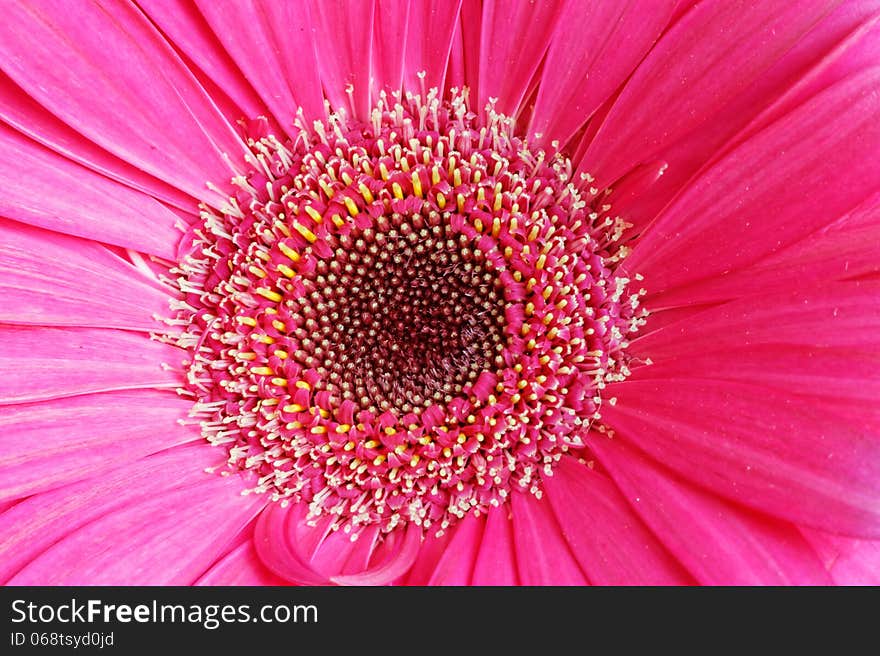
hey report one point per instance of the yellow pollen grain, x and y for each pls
(478, 174)
(307, 234)
(456, 177)
(390, 431)
(280, 382)
(417, 184)
(247, 321)
(548, 291)
(293, 407)
(303, 385)
(279, 325)
(265, 339)
(383, 171)
(496, 226)
(257, 271)
(397, 190)
(351, 207)
(478, 225)
(371, 444)
(327, 189)
(414, 460)
(349, 446)
(365, 192)
(319, 430)
(291, 254)
(286, 270)
(263, 371)
(343, 428)
(314, 214)
(270, 294)
(460, 202)
(279, 353)
(378, 460)
(337, 220)
(435, 175)
(441, 200)
(547, 318)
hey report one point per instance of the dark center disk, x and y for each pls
(402, 320)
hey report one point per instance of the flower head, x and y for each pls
(566, 293)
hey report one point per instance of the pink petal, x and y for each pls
(168, 538)
(33, 525)
(496, 559)
(20, 111)
(241, 566)
(543, 556)
(344, 31)
(305, 551)
(606, 537)
(714, 52)
(851, 374)
(457, 560)
(844, 249)
(44, 189)
(515, 36)
(51, 279)
(51, 443)
(804, 459)
(817, 341)
(795, 177)
(432, 549)
(429, 41)
(272, 44)
(833, 315)
(796, 76)
(849, 561)
(389, 42)
(47, 363)
(719, 543)
(275, 548)
(186, 28)
(392, 566)
(108, 89)
(594, 48)
(464, 56)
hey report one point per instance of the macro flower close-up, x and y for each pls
(440, 292)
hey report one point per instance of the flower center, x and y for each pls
(403, 321)
(401, 316)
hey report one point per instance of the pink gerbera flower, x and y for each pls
(440, 293)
